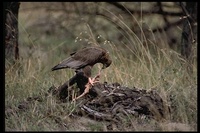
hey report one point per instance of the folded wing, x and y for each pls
(82, 58)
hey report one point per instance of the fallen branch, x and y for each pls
(112, 100)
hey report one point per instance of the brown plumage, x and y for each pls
(86, 56)
(83, 61)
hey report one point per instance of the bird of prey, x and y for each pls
(83, 60)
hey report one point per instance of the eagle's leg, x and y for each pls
(95, 79)
(90, 83)
(87, 88)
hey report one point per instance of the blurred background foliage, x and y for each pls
(76, 23)
(68, 25)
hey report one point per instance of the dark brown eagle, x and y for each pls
(83, 61)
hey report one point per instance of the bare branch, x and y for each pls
(144, 12)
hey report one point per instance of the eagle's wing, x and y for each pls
(82, 58)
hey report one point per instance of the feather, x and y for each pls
(84, 57)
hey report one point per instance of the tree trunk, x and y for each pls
(11, 30)
(189, 33)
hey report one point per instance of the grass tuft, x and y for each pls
(137, 61)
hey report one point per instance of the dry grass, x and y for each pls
(134, 64)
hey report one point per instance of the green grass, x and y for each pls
(148, 66)
(166, 72)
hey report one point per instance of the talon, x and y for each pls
(91, 81)
(87, 88)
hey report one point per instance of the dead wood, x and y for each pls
(106, 101)
(112, 102)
